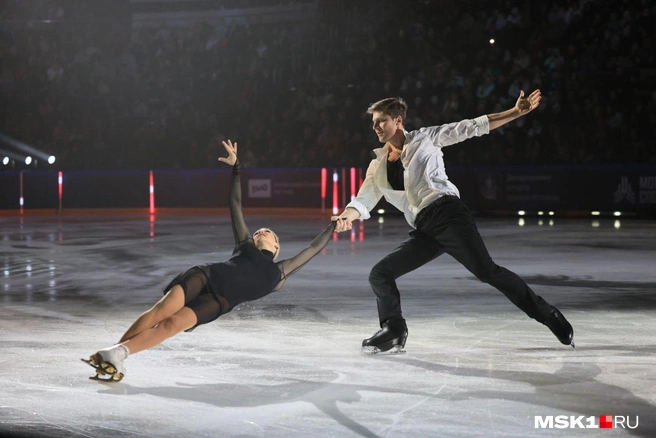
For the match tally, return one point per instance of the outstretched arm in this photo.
(452, 133)
(523, 106)
(239, 228)
(289, 266)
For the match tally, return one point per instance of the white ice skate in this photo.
(109, 362)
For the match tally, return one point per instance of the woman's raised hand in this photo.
(231, 148)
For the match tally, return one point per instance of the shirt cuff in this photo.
(359, 206)
(483, 124)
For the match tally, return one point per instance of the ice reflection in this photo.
(152, 225)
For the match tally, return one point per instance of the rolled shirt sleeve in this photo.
(452, 133)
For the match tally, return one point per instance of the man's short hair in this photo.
(392, 106)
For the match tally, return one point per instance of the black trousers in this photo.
(447, 226)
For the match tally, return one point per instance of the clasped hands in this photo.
(342, 223)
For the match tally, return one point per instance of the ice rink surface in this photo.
(289, 365)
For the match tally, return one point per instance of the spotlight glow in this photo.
(617, 213)
(596, 213)
(5, 160)
(551, 213)
(491, 40)
(617, 225)
(28, 160)
(540, 213)
(51, 159)
(381, 211)
(521, 212)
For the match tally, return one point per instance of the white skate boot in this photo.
(109, 362)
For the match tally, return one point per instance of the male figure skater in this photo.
(409, 172)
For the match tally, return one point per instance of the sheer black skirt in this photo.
(199, 296)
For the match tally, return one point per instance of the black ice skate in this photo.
(560, 327)
(390, 338)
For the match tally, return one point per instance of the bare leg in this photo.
(170, 303)
(182, 320)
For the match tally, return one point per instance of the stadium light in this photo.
(27, 149)
(8, 155)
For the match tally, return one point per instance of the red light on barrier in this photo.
(60, 188)
(151, 189)
(352, 183)
(20, 202)
(335, 192)
(324, 182)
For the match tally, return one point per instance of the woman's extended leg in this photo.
(172, 302)
(182, 320)
(109, 361)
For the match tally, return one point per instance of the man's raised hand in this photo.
(527, 104)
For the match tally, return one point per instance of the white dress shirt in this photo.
(424, 176)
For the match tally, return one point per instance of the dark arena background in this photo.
(113, 115)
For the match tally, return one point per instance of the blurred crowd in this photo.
(78, 80)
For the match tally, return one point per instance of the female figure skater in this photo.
(203, 293)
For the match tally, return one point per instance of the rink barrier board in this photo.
(484, 189)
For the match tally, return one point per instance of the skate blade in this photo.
(370, 351)
(114, 378)
(103, 369)
(95, 361)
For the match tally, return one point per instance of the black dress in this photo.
(214, 289)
